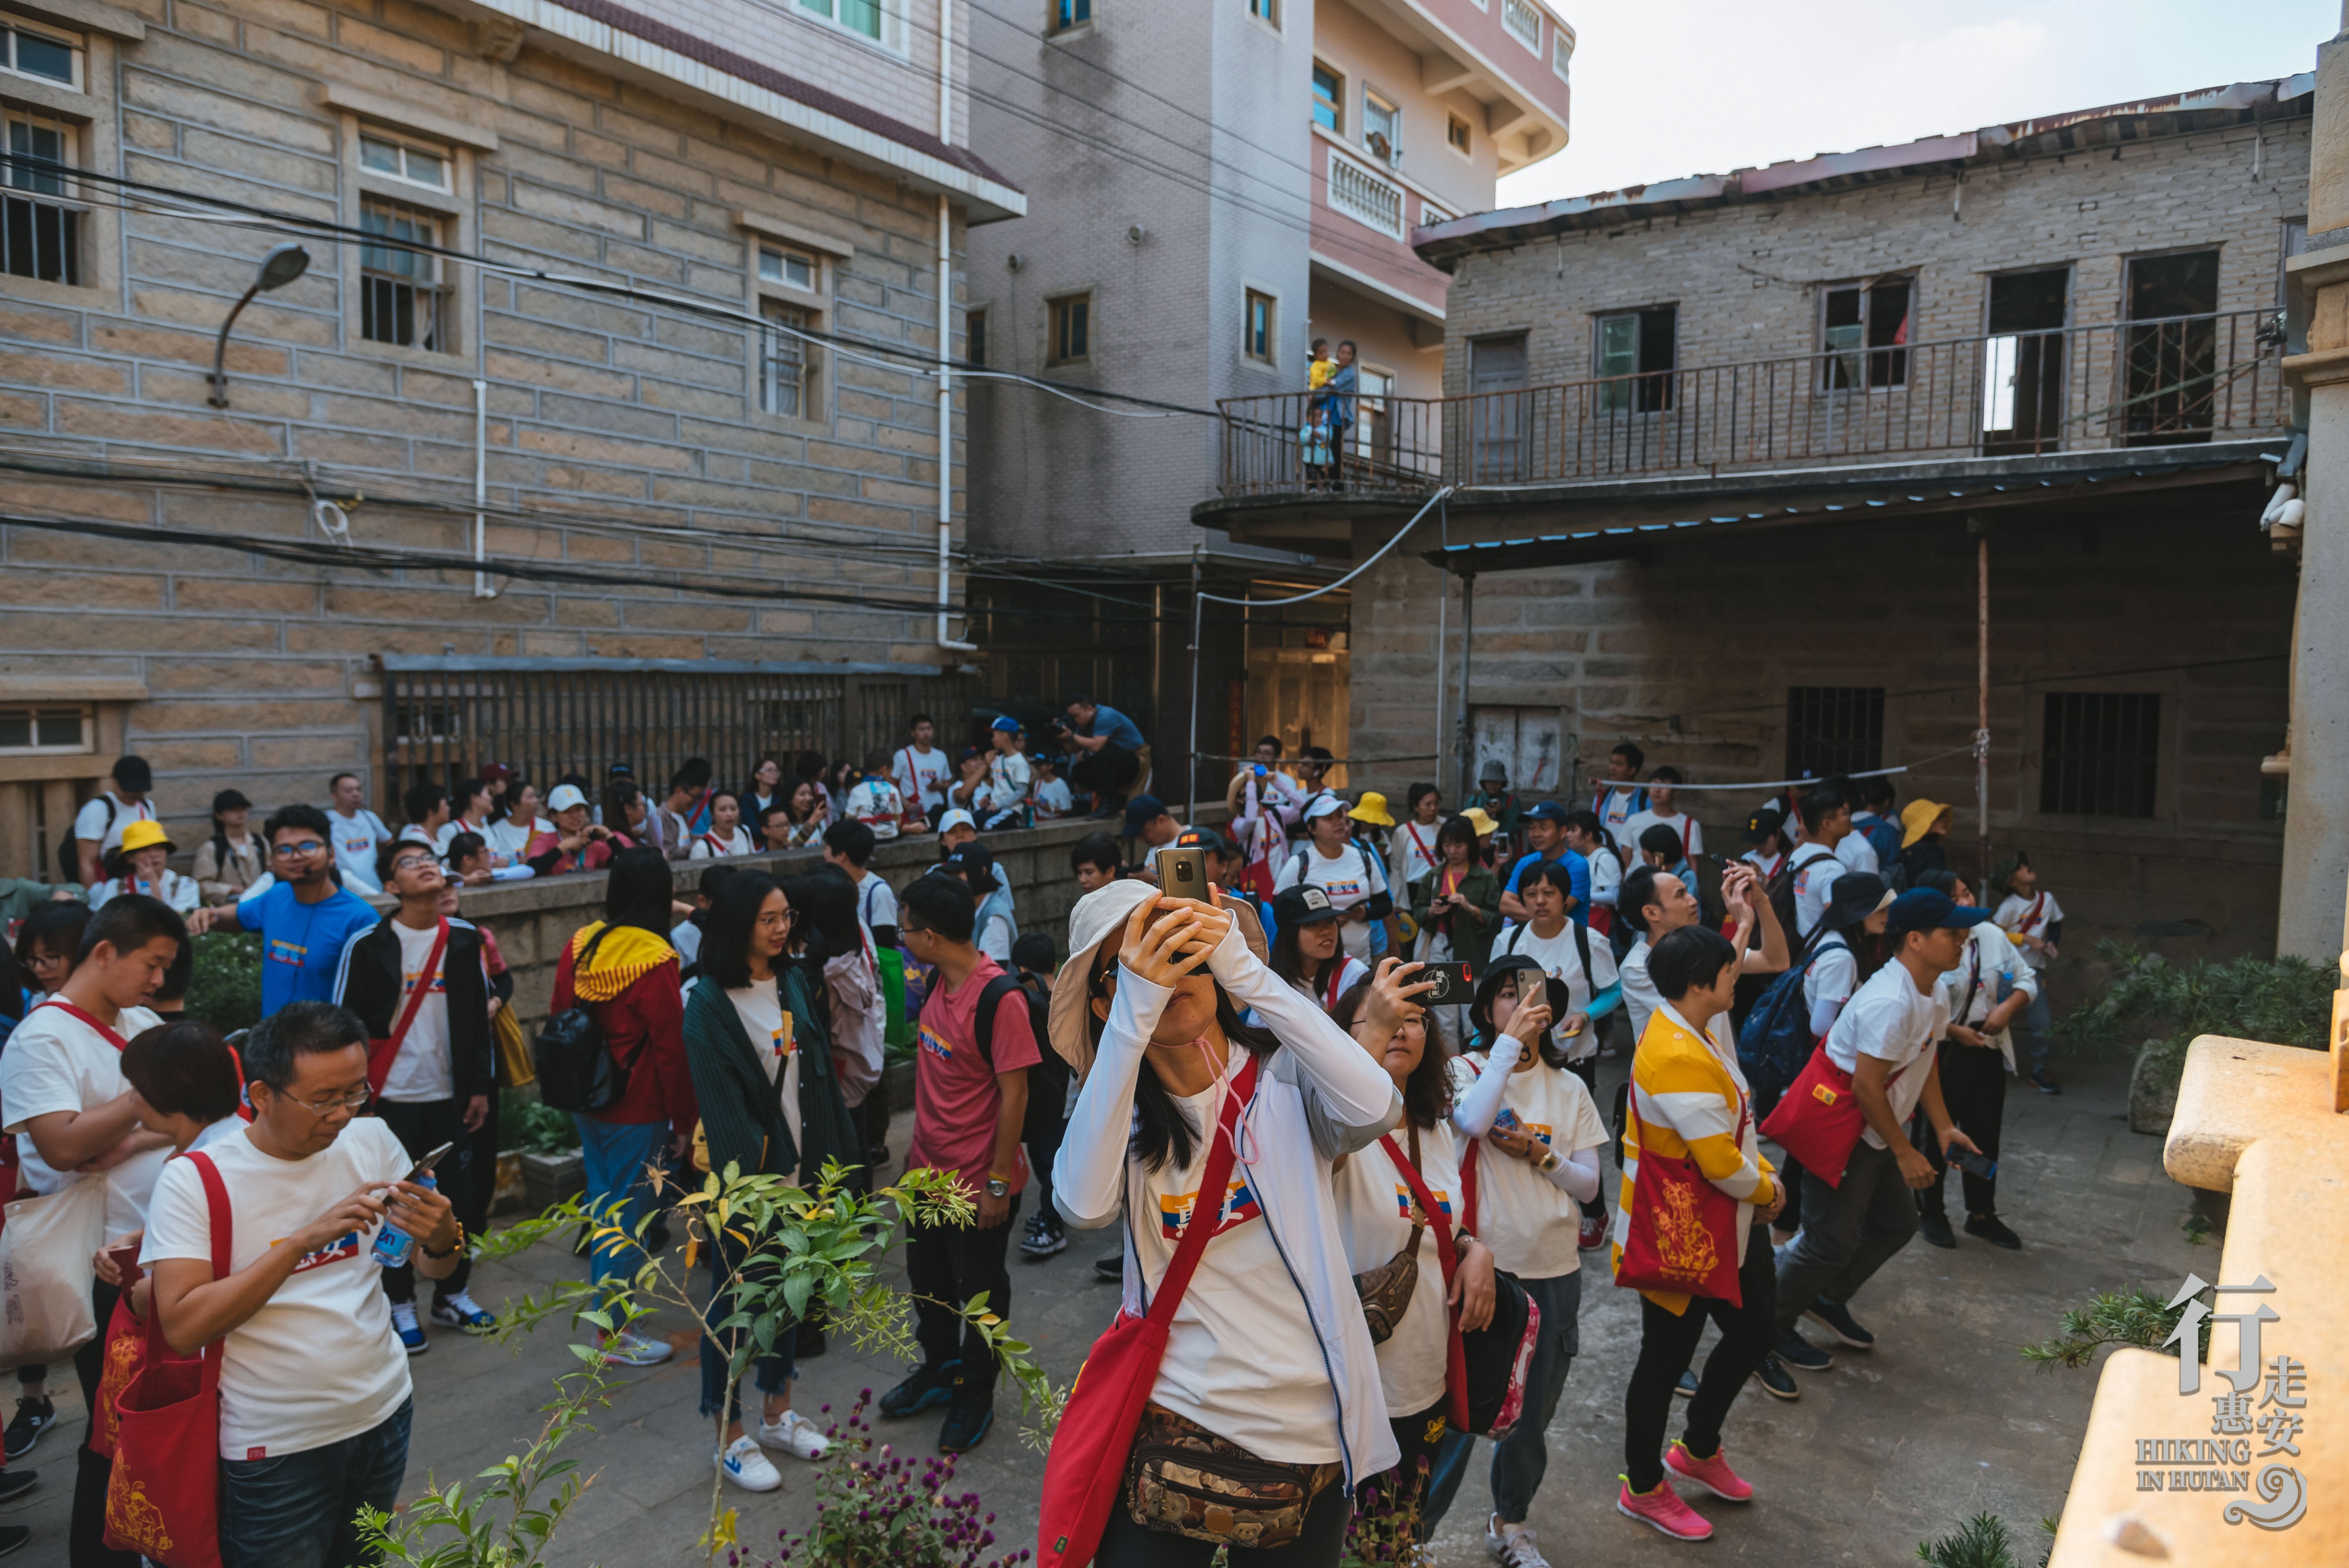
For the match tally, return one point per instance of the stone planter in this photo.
(2153, 1090)
(549, 1178)
(897, 1078)
(509, 1195)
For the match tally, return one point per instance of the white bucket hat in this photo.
(1098, 916)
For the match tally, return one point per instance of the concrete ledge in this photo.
(2236, 1091)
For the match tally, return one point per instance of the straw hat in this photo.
(1917, 819)
(1100, 915)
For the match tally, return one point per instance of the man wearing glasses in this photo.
(305, 919)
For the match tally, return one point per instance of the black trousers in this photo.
(1668, 1342)
(947, 1263)
(85, 1536)
(1973, 1088)
(1419, 1437)
(421, 1127)
(1041, 1152)
(1106, 772)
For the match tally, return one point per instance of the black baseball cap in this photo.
(1302, 905)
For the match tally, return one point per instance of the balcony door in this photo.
(2022, 363)
(2170, 353)
(1498, 417)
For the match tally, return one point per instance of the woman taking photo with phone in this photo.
(1308, 953)
(1268, 1377)
(1457, 907)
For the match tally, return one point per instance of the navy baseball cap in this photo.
(1922, 909)
(1544, 811)
(1140, 812)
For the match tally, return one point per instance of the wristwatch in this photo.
(998, 1187)
(1548, 1161)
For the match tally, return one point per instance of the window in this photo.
(1637, 344)
(796, 268)
(1067, 14)
(1833, 730)
(2171, 353)
(1071, 329)
(1365, 197)
(1457, 133)
(1256, 329)
(974, 327)
(28, 730)
(400, 297)
(2099, 753)
(1329, 99)
(1524, 23)
(1373, 432)
(397, 160)
(1265, 11)
(882, 20)
(40, 229)
(1862, 317)
(1382, 128)
(29, 49)
(1561, 53)
(2022, 363)
(784, 363)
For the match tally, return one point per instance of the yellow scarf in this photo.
(622, 959)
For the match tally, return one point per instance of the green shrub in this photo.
(2288, 1001)
(532, 1128)
(224, 986)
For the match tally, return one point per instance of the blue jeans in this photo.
(616, 1155)
(773, 1374)
(2037, 1027)
(1520, 1459)
(297, 1510)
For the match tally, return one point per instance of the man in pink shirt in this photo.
(970, 1098)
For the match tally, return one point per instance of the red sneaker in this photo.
(1593, 1232)
(1713, 1474)
(1663, 1509)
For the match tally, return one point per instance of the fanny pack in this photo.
(1183, 1479)
(1386, 1291)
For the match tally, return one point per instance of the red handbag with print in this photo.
(1817, 1120)
(1680, 1231)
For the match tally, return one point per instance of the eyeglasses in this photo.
(411, 862)
(354, 1102)
(292, 851)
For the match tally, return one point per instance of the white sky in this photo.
(1667, 88)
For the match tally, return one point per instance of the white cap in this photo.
(564, 797)
(957, 817)
(1323, 805)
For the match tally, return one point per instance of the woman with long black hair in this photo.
(1269, 1371)
(1307, 951)
(771, 1106)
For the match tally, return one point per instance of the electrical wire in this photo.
(1376, 558)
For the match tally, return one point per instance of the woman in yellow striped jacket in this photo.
(1691, 1101)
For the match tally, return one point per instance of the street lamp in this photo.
(281, 266)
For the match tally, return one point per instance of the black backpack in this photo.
(576, 1071)
(69, 849)
(1777, 1041)
(1048, 1080)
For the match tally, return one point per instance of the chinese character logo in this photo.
(2266, 1404)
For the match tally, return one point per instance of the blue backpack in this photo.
(1777, 1040)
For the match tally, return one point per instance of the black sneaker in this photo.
(2045, 1084)
(1686, 1387)
(1776, 1380)
(968, 1420)
(14, 1484)
(1992, 1229)
(34, 1417)
(13, 1536)
(1934, 1226)
(1840, 1323)
(1045, 1237)
(1801, 1355)
(1111, 1268)
(928, 1386)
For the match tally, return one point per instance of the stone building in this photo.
(1745, 460)
(612, 377)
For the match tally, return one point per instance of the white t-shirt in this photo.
(703, 849)
(1242, 1359)
(1008, 778)
(1815, 870)
(55, 1062)
(1606, 878)
(319, 1363)
(1374, 1213)
(1415, 853)
(2019, 917)
(421, 1070)
(1640, 998)
(509, 837)
(1858, 854)
(1561, 959)
(1764, 866)
(357, 840)
(1680, 822)
(1349, 970)
(1532, 1224)
(922, 775)
(876, 902)
(876, 802)
(1833, 976)
(1615, 810)
(1889, 1018)
(774, 1038)
(1351, 879)
(1052, 799)
(181, 893)
(90, 821)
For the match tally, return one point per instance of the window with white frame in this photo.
(880, 20)
(794, 268)
(1523, 20)
(44, 54)
(1265, 11)
(1382, 128)
(402, 299)
(36, 731)
(1562, 53)
(412, 165)
(1067, 14)
(1329, 99)
(40, 221)
(786, 366)
(1258, 328)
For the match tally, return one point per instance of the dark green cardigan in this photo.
(1472, 940)
(742, 1112)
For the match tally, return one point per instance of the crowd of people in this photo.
(1361, 1048)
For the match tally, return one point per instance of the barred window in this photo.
(400, 296)
(1833, 730)
(40, 225)
(783, 363)
(2100, 753)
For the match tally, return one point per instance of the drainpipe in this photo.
(945, 430)
(481, 589)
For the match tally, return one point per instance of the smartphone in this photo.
(1183, 873)
(1974, 1164)
(424, 1167)
(125, 1264)
(1451, 982)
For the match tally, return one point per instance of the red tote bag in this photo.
(1084, 1475)
(1681, 1234)
(1817, 1120)
(163, 1498)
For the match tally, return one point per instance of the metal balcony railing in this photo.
(2183, 380)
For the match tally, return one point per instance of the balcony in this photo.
(2179, 381)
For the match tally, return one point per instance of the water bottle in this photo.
(392, 1244)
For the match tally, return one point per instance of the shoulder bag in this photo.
(571, 1059)
(1386, 1290)
(1679, 1234)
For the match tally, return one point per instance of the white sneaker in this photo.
(626, 1349)
(794, 1435)
(1512, 1548)
(741, 1462)
(404, 1325)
